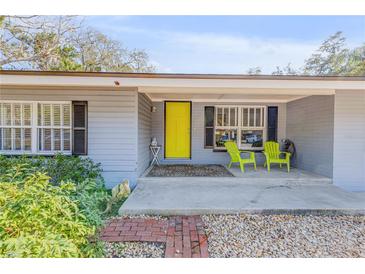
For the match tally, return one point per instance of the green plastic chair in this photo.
(272, 154)
(235, 155)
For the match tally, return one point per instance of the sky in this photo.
(227, 44)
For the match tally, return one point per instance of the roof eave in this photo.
(180, 75)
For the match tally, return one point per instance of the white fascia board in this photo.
(57, 81)
(254, 84)
(273, 100)
(248, 91)
(37, 80)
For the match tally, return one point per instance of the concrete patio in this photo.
(251, 192)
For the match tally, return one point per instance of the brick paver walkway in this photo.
(184, 235)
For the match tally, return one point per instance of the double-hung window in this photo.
(35, 127)
(252, 127)
(243, 124)
(54, 127)
(16, 126)
(226, 125)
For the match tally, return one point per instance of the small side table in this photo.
(155, 151)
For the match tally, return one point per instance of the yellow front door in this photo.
(177, 129)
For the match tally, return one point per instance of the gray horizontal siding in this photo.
(112, 122)
(201, 155)
(310, 127)
(349, 140)
(144, 132)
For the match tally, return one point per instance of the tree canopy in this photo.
(331, 58)
(64, 43)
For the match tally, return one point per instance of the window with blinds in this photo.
(54, 127)
(35, 127)
(15, 126)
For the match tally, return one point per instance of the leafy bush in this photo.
(91, 196)
(39, 219)
(63, 168)
(60, 168)
(50, 206)
(90, 193)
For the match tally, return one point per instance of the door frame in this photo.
(191, 109)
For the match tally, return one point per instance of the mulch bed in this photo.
(189, 171)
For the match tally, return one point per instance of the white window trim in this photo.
(34, 126)
(239, 126)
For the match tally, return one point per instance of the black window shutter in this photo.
(79, 128)
(209, 127)
(272, 121)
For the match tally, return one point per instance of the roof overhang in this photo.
(224, 87)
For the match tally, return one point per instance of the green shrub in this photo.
(60, 168)
(91, 196)
(76, 169)
(90, 193)
(38, 219)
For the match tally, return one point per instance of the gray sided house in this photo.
(112, 117)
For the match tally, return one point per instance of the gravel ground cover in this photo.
(285, 236)
(134, 250)
(189, 171)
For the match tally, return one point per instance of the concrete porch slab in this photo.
(277, 173)
(195, 196)
(261, 175)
